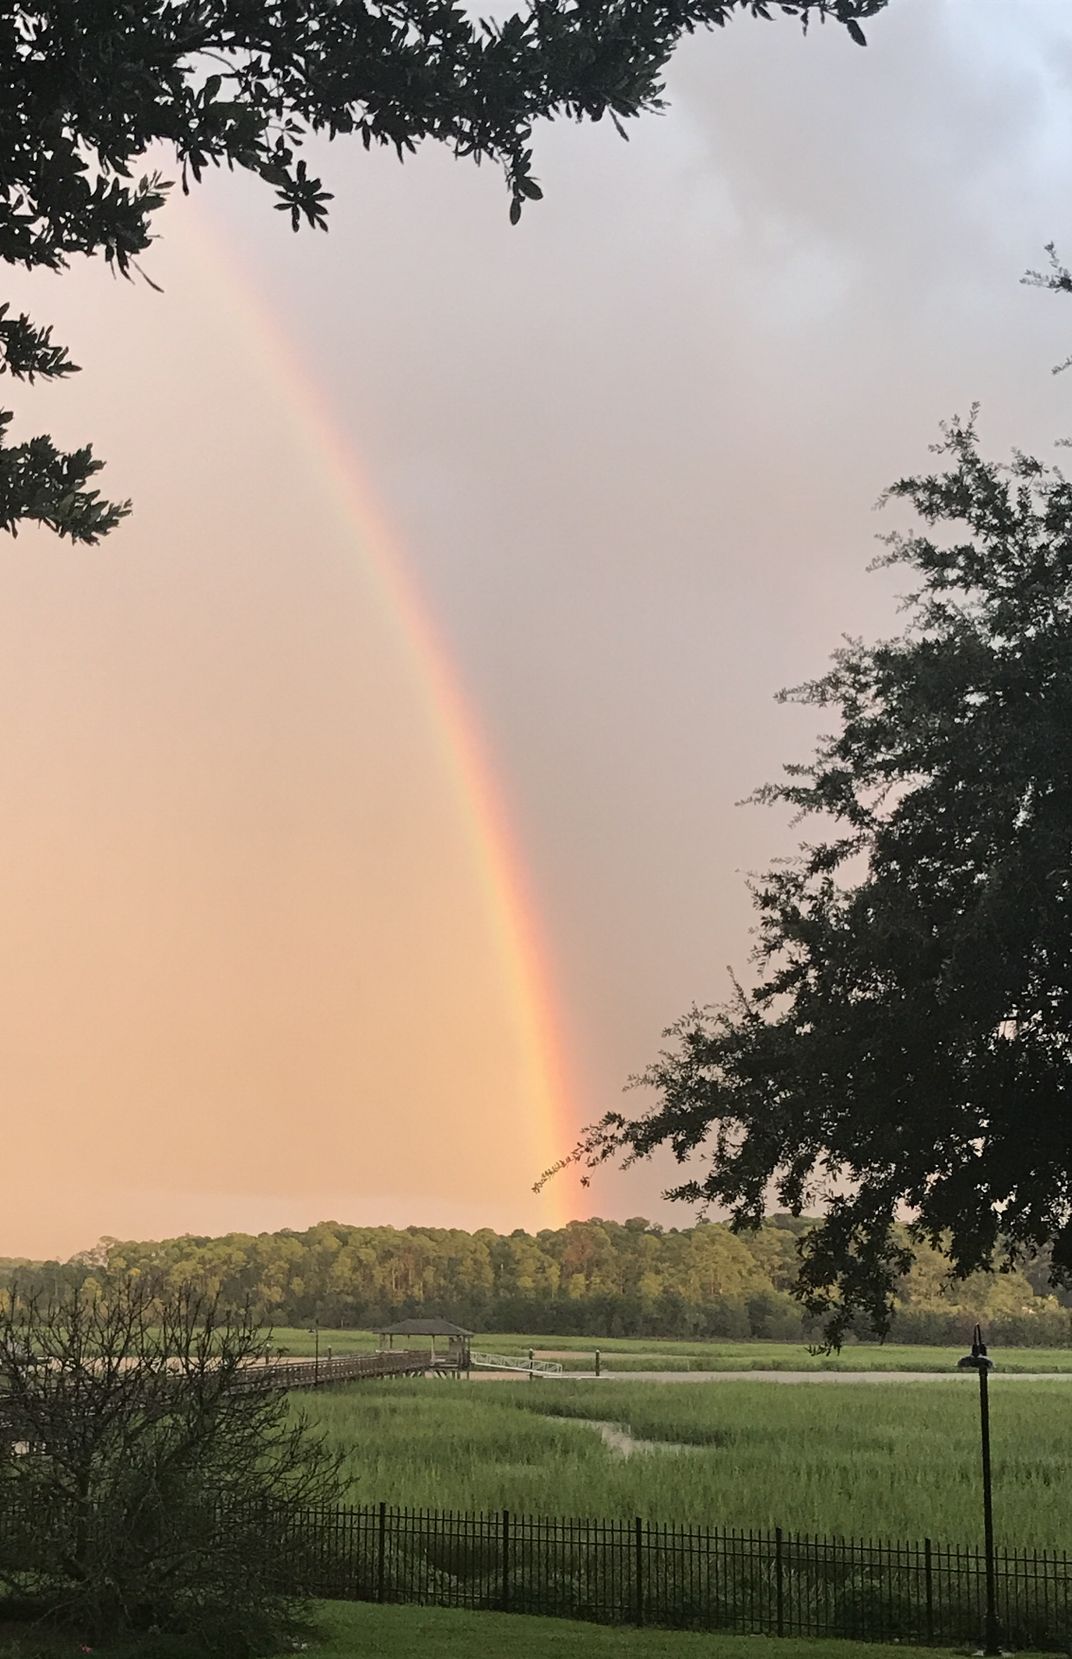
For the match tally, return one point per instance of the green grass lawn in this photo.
(295, 1339)
(631, 1354)
(891, 1461)
(363, 1631)
(654, 1354)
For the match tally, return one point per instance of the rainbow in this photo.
(507, 898)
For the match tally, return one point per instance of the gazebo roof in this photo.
(424, 1327)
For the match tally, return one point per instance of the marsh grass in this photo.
(896, 1461)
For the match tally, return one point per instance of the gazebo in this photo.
(458, 1340)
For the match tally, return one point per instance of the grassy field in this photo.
(629, 1354)
(899, 1462)
(363, 1631)
(367, 1632)
(294, 1339)
(632, 1354)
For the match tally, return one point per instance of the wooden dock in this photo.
(303, 1373)
(348, 1368)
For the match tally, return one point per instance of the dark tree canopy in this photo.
(906, 1049)
(88, 87)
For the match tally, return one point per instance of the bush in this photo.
(165, 1482)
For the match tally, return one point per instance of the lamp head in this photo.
(977, 1360)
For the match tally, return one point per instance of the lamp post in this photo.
(979, 1362)
(315, 1334)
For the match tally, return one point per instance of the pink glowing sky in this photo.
(629, 453)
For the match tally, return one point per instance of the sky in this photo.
(372, 793)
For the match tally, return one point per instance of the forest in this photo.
(597, 1278)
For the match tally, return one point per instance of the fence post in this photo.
(381, 1551)
(779, 1583)
(506, 1560)
(928, 1578)
(638, 1558)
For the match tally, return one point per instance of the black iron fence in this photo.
(772, 1583)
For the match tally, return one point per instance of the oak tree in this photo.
(904, 1054)
(88, 88)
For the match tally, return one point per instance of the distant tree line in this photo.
(590, 1278)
